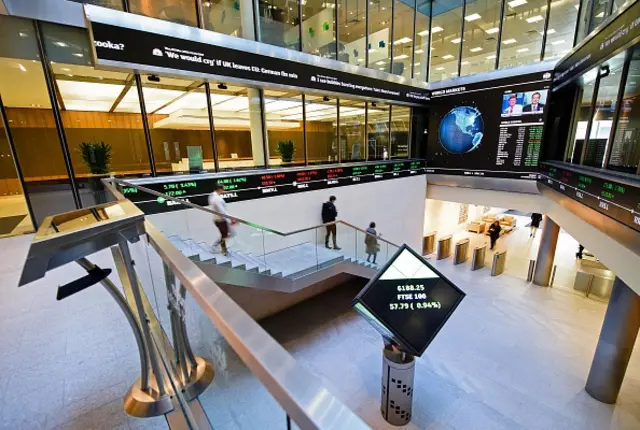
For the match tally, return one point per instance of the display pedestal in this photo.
(398, 370)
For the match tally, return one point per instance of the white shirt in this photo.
(217, 204)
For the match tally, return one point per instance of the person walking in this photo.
(371, 243)
(329, 215)
(494, 232)
(535, 223)
(219, 206)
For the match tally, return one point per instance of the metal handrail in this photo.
(240, 220)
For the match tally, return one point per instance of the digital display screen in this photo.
(408, 301)
(614, 199)
(489, 128)
(254, 185)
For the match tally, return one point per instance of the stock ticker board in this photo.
(261, 184)
(408, 301)
(617, 200)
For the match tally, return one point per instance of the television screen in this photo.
(488, 128)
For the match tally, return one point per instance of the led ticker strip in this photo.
(618, 201)
(260, 184)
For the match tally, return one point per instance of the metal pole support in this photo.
(398, 371)
(532, 266)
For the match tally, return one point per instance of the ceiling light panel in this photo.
(472, 17)
(234, 104)
(492, 30)
(447, 57)
(516, 3)
(192, 101)
(476, 49)
(509, 41)
(402, 41)
(89, 96)
(534, 19)
(274, 105)
(456, 40)
(437, 29)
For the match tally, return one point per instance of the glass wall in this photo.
(421, 38)
(380, 35)
(322, 133)
(279, 23)
(179, 11)
(319, 28)
(573, 153)
(400, 123)
(562, 25)
(226, 16)
(481, 32)
(625, 150)
(352, 28)
(285, 131)
(24, 93)
(378, 131)
(445, 39)
(352, 130)
(403, 38)
(522, 32)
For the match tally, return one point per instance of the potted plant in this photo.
(96, 156)
(286, 148)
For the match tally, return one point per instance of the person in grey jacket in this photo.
(371, 243)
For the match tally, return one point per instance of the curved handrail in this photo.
(240, 220)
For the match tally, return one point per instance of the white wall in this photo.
(442, 216)
(619, 259)
(396, 205)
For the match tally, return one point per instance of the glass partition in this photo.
(562, 25)
(279, 23)
(352, 130)
(403, 38)
(581, 116)
(421, 38)
(445, 39)
(30, 118)
(380, 35)
(352, 27)
(400, 124)
(318, 28)
(226, 16)
(179, 11)
(481, 32)
(522, 32)
(599, 12)
(625, 151)
(322, 134)
(284, 131)
(378, 131)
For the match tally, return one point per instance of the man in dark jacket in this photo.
(329, 215)
(535, 223)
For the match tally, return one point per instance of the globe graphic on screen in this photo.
(461, 130)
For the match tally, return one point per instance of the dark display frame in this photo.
(398, 338)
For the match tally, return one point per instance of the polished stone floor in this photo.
(513, 356)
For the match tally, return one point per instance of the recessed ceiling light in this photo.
(454, 73)
(416, 64)
(464, 63)
(380, 68)
(600, 15)
(558, 42)
(534, 18)
(509, 41)
(522, 50)
(379, 63)
(384, 8)
(360, 60)
(23, 34)
(476, 49)
(401, 57)
(551, 31)
(577, 6)
(491, 57)
(65, 69)
(21, 67)
(416, 74)
(492, 30)
(439, 68)
(61, 44)
(423, 33)
(447, 57)
(456, 40)
(515, 3)
(437, 29)
(70, 75)
(403, 40)
(419, 51)
(472, 17)
(78, 54)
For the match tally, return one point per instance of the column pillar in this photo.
(546, 252)
(615, 345)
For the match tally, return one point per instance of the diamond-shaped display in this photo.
(408, 301)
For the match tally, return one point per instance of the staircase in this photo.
(287, 270)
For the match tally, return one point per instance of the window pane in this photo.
(284, 130)
(402, 38)
(562, 24)
(180, 11)
(322, 119)
(583, 19)
(577, 137)
(380, 35)
(352, 29)
(625, 152)
(24, 93)
(225, 16)
(421, 40)
(102, 140)
(378, 131)
(318, 28)
(603, 113)
(522, 32)
(481, 30)
(178, 123)
(400, 120)
(599, 13)
(238, 123)
(279, 23)
(445, 39)
(352, 122)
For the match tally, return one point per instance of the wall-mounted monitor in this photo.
(491, 128)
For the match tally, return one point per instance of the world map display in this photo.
(461, 130)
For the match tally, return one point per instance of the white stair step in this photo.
(241, 258)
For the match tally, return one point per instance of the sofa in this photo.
(476, 226)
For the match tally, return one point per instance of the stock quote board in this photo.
(617, 200)
(491, 128)
(408, 301)
(240, 186)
